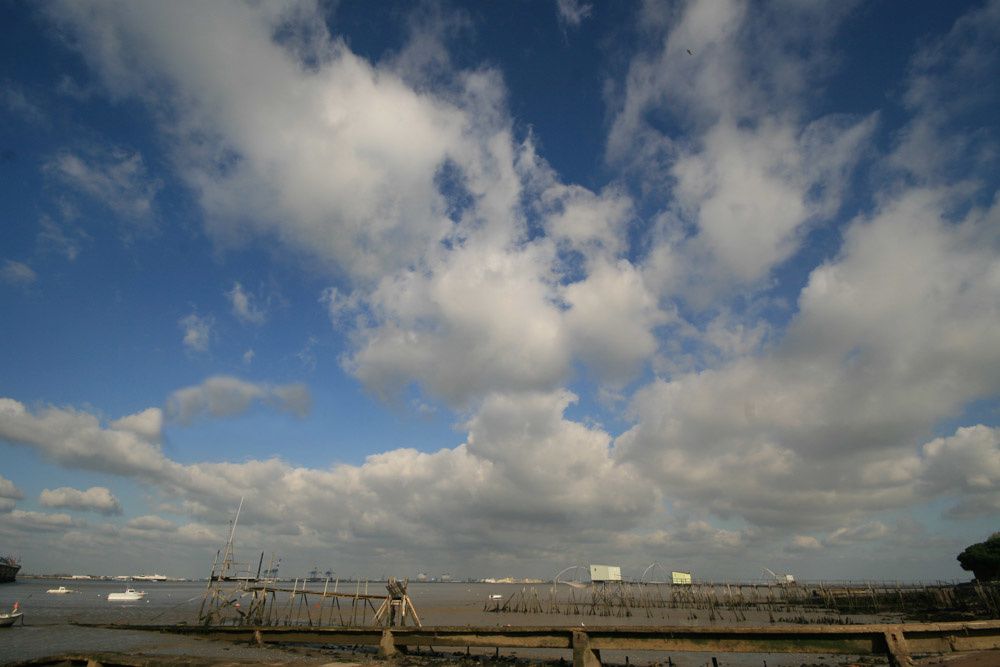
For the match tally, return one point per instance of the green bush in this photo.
(983, 559)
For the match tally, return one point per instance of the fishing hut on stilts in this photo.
(397, 606)
(237, 596)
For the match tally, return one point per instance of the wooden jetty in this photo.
(898, 642)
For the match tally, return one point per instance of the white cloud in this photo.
(223, 396)
(745, 171)
(485, 319)
(96, 499)
(893, 336)
(245, 307)
(147, 424)
(407, 182)
(750, 191)
(197, 332)
(594, 225)
(77, 439)
(8, 490)
(611, 320)
(248, 356)
(525, 472)
(527, 483)
(352, 177)
(17, 273)
(966, 464)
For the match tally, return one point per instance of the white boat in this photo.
(62, 590)
(130, 595)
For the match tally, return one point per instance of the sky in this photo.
(498, 288)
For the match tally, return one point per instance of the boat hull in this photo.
(8, 570)
(127, 596)
(7, 620)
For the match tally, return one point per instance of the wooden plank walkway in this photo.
(898, 642)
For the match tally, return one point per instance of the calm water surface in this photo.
(48, 628)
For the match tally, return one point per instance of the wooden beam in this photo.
(898, 642)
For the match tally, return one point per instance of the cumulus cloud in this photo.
(223, 396)
(78, 439)
(524, 472)
(96, 499)
(497, 310)
(967, 463)
(418, 207)
(197, 332)
(147, 424)
(17, 273)
(612, 319)
(891, 337)
(525, 482)
(9, 495)
(750, 192)
(751, 170)
(360, 148)
(9, 490)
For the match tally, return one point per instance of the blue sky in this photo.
(498, 288)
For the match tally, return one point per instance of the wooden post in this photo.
(583, 655)
(899, 652)
(387, 646)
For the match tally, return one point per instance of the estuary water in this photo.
(48, 622)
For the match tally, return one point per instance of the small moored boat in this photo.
(130, 595)
(11, 617)
(62, 590)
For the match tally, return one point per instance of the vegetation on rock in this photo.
(983, 559)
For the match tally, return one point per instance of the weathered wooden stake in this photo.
(583, 654)
(386, 646)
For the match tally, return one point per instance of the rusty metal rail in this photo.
(898, 642)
